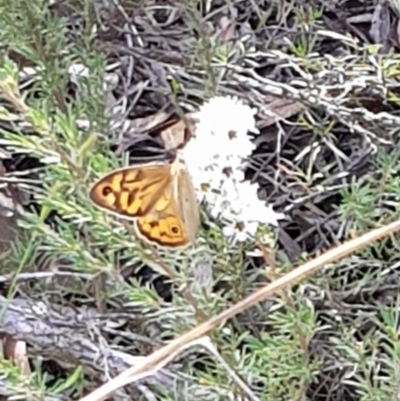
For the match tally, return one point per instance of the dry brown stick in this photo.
(290, 278)
(73, 337)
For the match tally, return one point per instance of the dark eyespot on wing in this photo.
(106, 190)
(175, 230)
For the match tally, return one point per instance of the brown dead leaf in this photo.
(176, 132)
(149, 123)
(173, 130)
(276, 109)
(140, 127)
(15, 351)
(279, 108)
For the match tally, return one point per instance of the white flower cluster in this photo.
(216, 159)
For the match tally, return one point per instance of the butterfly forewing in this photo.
(132, 191)
(159, 197)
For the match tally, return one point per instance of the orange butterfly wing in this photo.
(174, 221)
(152, 196)
(129, 192)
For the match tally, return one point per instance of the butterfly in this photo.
(159, 197)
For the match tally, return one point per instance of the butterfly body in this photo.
(159, 197)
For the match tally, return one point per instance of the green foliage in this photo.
(274, 346)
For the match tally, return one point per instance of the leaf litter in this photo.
(322, 111)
